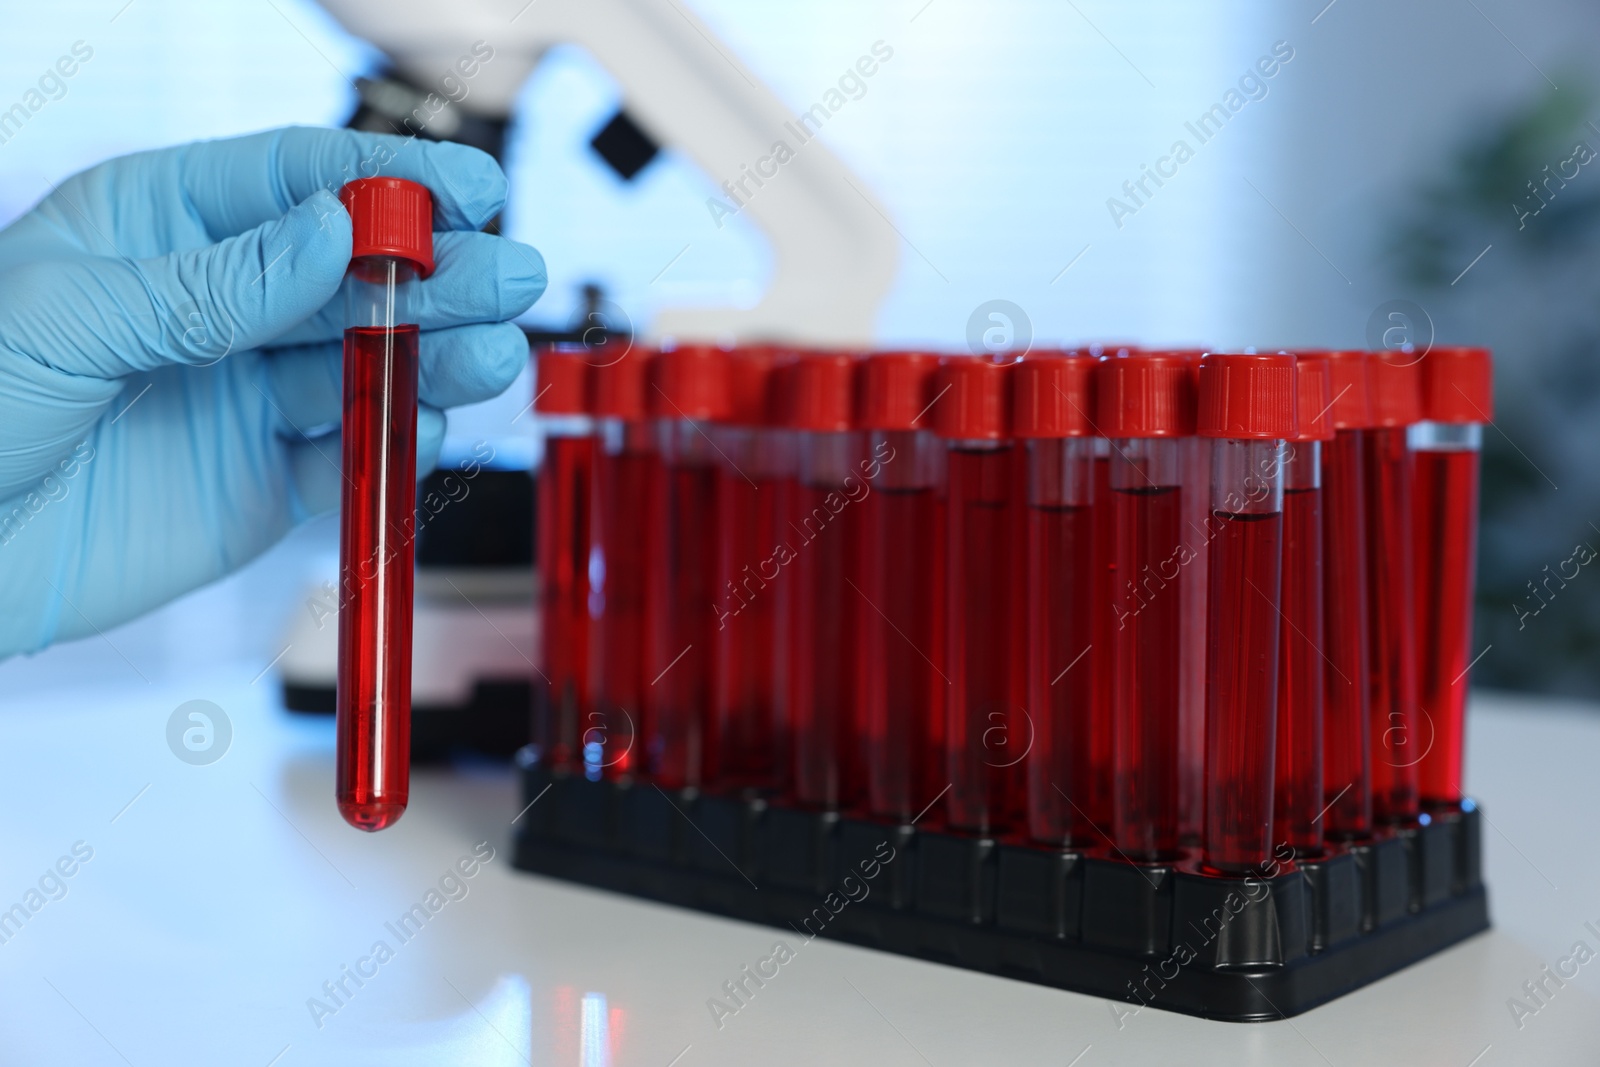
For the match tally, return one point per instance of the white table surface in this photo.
(220, 898)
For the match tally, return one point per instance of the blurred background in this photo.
(1421, 168)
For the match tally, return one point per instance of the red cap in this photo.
(563, 385)
(750, 399)
(895, 390)
(1313, 396)
(1247, 395)
(691, 382)
(1457, 385)
(822, 391)
(1145, 394)
(973, 398)
(1394, 382)
(1053, 395)
(390, 217)
(1351, 397)
(622, 383)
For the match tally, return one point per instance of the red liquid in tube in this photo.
(1102, 625)
(392, 245)
(902, 583)
(1347, 729)
(563, 485)
(1247, 404)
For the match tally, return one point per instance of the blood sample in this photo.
(1346, 727)
(902, 585)
(1247, 405)
(1457, 399)
(739, 749)
(781, 437)
(561, 692)
(690, 392)
(1068, 790)
(392, 246)
(626, 466)
(1146, 405)
(823, 520)
(1301, 668)
(986, 735)
(1399, 737)
(1192, 652)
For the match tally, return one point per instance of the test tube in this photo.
(902, 586)
(1302, 671)
(986, 735)
(1068, 787)
(1397, 746)
(823, 520)
(1193, 646)
(739, 745)
(1247, 406)
(391, 247)
(1146, 404)
(1457, 399)
(626, 468)
(562, 394)
(690, 392)
(1346, 725)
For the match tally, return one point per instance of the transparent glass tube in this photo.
(1148, 556)
(377, 528)
(1301, 667)
(563, 485)
(1242, 676)
(1347, 730)
(1397, 745)
(1446, 456)
(1060, 526)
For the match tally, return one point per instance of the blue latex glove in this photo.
(170, 328)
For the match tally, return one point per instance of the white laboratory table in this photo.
(220, 898)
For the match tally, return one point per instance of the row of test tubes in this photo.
(1171, 606)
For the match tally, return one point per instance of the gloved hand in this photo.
(170, 360)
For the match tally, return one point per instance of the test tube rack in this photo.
(1161, 936)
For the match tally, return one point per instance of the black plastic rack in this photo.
(1161, 936)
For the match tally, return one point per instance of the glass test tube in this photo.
(1146, 404)
(1457, 401)
(823, 521)
(1301, 669)
(986, 735)
(1053, 408)
(1346, 725)
(1247, 404)
(690, 392)
(1397, 744)
(392, 246)
(902, 585)
(626, 468)
(562, 515)
(739, 733)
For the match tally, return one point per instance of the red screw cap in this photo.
(1351, 396)
(973, 398)
(390, 217)
(1247, 395)
(823, 392)
(1145, 394)
(1395, 383)
(895, 390)
(1458, 385)
(1053, 395)
(691, 382)
(750, 384)
(563, 384)
(1313, 396)
(622, 382)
